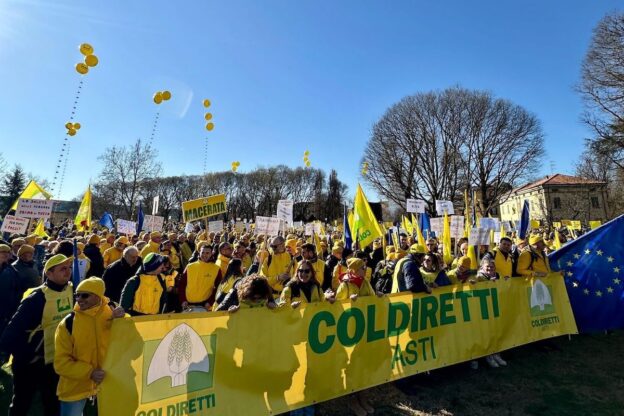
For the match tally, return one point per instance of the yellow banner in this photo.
(258, 361)
(203, 207)
(575, 225)
(595, 224)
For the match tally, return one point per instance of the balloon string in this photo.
(64, 169)
(154, 128)
(205, 154)
(62, 159)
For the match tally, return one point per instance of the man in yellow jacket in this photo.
(533, 262)
(277, 266)
(80, 345)
(153, 246)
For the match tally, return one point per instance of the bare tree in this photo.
(602, 87)
(432, 146)
(125, 170)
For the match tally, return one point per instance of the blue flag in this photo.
(75, 266)
(425, 224)
(347, 230)
(140, 218)
(107, 221)
(593, 268)
(524, 220)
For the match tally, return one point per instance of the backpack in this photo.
(382, 279)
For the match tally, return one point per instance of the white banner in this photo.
(457, 226)
(215, 226)
(14, 225)
(34, 208)
(285, 211)
(155, 205)
(479, 237)
(437, 225)
(153, 223)
(313, 227)
(126, 227)
(416, 206)
(442, 206)
(267, 226)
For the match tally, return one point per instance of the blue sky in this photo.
(283, 76)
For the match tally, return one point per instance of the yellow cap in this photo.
(93, 285)
(355, 264)
(25, 249)
(417, 249)
(122, 240)
(55, 261)
(4, 248)
(535, 238)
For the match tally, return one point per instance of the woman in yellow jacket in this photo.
(304, 287)
(80, 345)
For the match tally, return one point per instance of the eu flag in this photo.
(347, 230)
(140, 218)
(593, 268)
(107, 221)
(524, 220)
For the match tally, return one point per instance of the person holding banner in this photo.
(146, 293)
(199, 282)
(432, 272)
(251, 291)
(407, 277)
(29, 337)
(304, 287)
(233, 274)
(501, 255)
(533, 262)
(277, 266)
(81, 341)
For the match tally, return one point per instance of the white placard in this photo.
(34, 208)
(285, 211)
(437, 225)
(153, 223)
(267, 226)
(155, 205)
(188, 228)
(240, 226)
(215, 226)
(14, 225)
(473, 237)
(126, 227)
(442, 206)
(489, 224)
(82, 268)
(416, 206)
(313, 227)
(457, 226)
(497, 237)
(298, 225)
(484, 237)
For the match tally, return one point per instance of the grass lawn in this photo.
(586, 377)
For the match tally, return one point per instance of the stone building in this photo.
(558, 197)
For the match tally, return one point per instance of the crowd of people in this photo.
(57, 334)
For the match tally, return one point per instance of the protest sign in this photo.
(126, 227)
(444, 206)
(285, 211)
(203, 207)
(34, 208)
(313, 227)
(153, 223)
(260, 361)
(215, 226)
(457, 226)
(416, 206)
(240, 226)
(489, 224)
(14, 225)
(267, 225)
(437, 225)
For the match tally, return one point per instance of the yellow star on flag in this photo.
(610, 259)
(599, 252)
(610, 289)
(598, 293)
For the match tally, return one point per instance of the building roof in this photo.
(558, 180)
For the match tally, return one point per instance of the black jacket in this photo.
(116, 275)
(97, 261)
(11, 291)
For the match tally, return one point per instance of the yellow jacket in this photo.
(247, 262)
(503, 265)
(339, 270)
(104, 246)
(112, 255)
(150, 247)
(175, 258)
(200, 281)
(346, 289)
(531, 261)
(279, 264)
(290, 294)
(223, 262)
(78, 353)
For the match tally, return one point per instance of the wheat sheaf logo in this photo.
(180, 352)
(540, 299)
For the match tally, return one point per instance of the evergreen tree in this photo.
(12, 186)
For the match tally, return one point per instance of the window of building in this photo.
(594, 202)
(557, 202)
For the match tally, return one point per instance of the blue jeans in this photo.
(73, 408)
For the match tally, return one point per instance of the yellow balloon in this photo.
(166, 95)
(68, 126)
(208, 116)
(158, 97)
(206, 103)
(305, 159)
(306, 153)
(91, 60)
(237, 163)
(209, 126)
(82, 68)
(307, 164)
(86, 49)
(234, 168)
(71, 132)
(76, 126)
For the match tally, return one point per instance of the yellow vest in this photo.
(247, 262)
(150, 247)
(503, 265)
(147, 296)
(287, 296)
(200, 280)
(319, 270)
(104, 246)
(222, 262)
(57, 306)
(280, 264)
(228, 284)
(346, 289)
(395, 275)
(338, 271)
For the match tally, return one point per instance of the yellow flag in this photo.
(32, 191)
(40, 229)
(447, 253)
(595, 224)
(365, 225)
(83, 218)
(535, 224)
(472, 255)
(421, 239)
(557, 241)
(409, 227)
